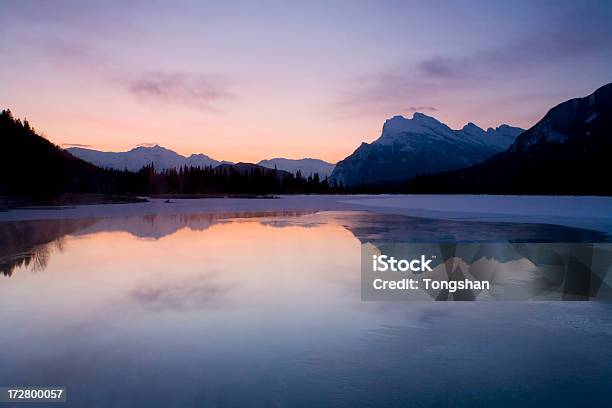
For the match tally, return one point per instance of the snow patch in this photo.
(593, 116)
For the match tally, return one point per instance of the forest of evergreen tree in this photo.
(225, 179)
(30, 165)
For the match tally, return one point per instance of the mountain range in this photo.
(164, 159)
(141, 156)
(305, 166)
(566, 152)
(34, 170)
(421, 145)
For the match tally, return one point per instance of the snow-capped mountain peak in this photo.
(420, 123)
(163, 158)
(134, 159)
(421, 145)
(472, 128)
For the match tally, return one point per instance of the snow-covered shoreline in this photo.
(585, 212)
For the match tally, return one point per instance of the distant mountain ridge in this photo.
(138, 157)
(163, 159)
(566, 152)
(34, 170)
(306, 166)
(420, 145)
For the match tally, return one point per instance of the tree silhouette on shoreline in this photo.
(31, 166)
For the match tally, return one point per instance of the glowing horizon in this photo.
(253, 81)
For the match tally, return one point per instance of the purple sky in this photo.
(254, 80)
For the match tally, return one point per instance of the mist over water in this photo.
(264, 309)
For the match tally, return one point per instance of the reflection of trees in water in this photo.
(30, 244)
(35, 259)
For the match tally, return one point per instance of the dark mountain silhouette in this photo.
(30, 165)
(567, 152)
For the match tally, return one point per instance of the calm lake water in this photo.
(264, 309)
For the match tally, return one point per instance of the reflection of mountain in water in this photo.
(465, 249)
(30, 243)
(526, 260)
(161, 225)
(368, 227)
(515, 271)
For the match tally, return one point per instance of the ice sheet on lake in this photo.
(584, 212)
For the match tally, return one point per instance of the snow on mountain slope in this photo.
(421, 145)
(138, 157)
(566, 152)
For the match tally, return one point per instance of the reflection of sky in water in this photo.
(198, 310)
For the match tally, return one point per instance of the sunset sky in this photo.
(245, 81)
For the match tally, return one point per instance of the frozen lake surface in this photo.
(247, 302)
(584, 212)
